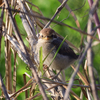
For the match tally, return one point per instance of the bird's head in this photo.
(47, 35)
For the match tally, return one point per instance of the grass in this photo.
(48, 9)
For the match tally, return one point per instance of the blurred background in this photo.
(48, 8)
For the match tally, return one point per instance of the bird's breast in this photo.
(60, 61)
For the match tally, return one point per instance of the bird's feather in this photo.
(65, 49)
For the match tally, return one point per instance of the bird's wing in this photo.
(65, 49)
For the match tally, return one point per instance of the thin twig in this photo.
(76, 20)
(66, 84)
(24, 87)
(80, 6)
(81, 76)
(8, 26)
(57, 11)
(4, 89)
(14, 73)
(95, 16)
(31, 98)
(25, 82)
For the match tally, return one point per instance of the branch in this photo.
(95, 16)
(57, 11)
(89, 52)
(59, 23)
(75, 72)
(31, 65)
(4, 89)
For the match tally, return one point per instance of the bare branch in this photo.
(57, 11)
(59, 23)
(4, 89)
(89, 52)
(31, 65)
(95, 16)
(75, 72)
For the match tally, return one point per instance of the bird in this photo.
(50, 42)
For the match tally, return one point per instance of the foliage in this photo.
(48, 8)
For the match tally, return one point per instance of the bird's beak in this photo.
(47, 38)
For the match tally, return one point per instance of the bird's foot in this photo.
(45, 67)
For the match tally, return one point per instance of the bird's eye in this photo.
(41, 35)
(51, 35)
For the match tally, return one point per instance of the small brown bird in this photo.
(49, 40)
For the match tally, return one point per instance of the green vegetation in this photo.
(48, 8)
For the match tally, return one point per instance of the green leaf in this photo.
(48, 54)
(40, 58)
